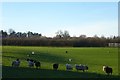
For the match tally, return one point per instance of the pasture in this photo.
(94, 58)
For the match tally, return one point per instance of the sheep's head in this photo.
(104, 67)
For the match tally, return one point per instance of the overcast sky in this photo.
(89, 18)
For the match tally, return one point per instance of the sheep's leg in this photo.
(111, 73)
(83, 70)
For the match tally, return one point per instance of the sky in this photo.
(88, 18)
(59, 0)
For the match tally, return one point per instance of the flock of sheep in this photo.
(32, 63)
(69, 67)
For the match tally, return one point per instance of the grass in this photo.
(48, 73)
(95, 58)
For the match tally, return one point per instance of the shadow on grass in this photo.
(43, 57)
(21, 72)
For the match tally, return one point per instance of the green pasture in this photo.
(94, 58)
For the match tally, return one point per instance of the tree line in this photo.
(62, 39)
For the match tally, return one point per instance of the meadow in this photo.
(93, 57)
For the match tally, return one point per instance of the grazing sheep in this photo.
(55, 66)
(107, 69)
(69, 67)
(37, 64)
(70, 60)
(16, 63)
(33, 53)
(81, 67)
(30, 62)
(66, 51)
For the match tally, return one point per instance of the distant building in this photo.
(114, 44)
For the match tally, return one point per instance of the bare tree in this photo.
(59, 34)
(11, 31)
(66, 34)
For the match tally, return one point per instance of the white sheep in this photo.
(69, 67)
(81, 67)
(16, 63)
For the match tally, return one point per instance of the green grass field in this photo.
(95, 58)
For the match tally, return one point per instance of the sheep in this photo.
(33, 53)
(30, 63)
(107, 69)
(37, 64)
(81, 67)
(55, 66)
(70, 60)
(66, 51)
(16, 63)
(69, 67)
